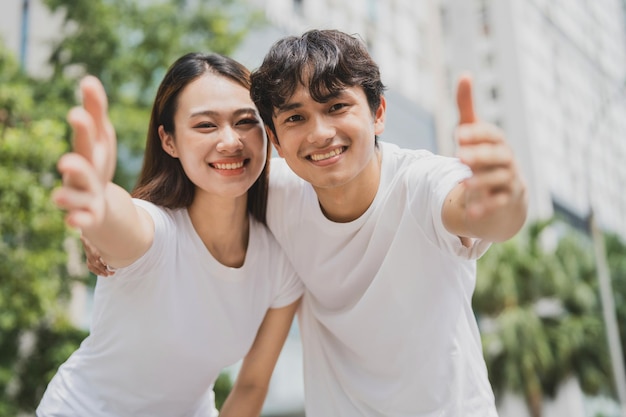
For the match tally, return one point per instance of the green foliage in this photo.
(540, 315)
(129, 44)
(53, 343)
(222, 388)
(33, 274)
(616, 254)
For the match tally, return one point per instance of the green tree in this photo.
(540, 316)
(129, 44)
(33, 273)
(616, 254)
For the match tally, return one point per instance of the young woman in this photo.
(200, 281)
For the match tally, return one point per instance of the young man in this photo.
(385, 239)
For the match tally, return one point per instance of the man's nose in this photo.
(322, 131)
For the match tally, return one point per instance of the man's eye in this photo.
(294, 118)
(337, 106)
(204, 125)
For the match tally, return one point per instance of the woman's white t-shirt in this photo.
(164, 327)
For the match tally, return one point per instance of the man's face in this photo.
(328, 144)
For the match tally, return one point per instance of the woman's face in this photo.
(219, 138)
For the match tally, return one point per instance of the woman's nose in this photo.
(229, 140)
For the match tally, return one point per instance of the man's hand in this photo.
(95, 263)
(494, 197)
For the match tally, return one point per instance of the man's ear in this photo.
(167, 142)
(379, 117)
(272, 137)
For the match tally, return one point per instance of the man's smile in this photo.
(327, 154)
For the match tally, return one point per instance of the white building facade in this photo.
(553, 74)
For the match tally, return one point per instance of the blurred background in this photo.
(551, 303)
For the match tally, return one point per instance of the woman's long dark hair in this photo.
(162, 180)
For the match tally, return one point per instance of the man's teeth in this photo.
(322, 156)
(235, 165)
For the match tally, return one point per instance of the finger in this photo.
(81, 219)
(67, 198)
(87, 246)
(477, 133)
(84, 132)
(485, 157)
(92, 255)
(96, 105)
(464, 100)
(485, 206)
(78, 173)
(95, 102)
(97, 268)
(491, 181)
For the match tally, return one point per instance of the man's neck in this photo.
(348, 202)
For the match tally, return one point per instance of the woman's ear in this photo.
(167, 142)
(272, 137)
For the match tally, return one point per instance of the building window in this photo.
(298, 7)
(483, 13)
(494, 92)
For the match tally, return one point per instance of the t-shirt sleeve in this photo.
(435, 177)
(164, 236)
(290, 287)
(285, 188)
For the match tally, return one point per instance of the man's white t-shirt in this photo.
(386, 319)
(164, 327)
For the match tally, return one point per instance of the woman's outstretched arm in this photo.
(103, 211)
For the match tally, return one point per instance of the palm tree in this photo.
(539, 316)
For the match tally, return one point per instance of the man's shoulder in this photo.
(281, 176)
(398, 158)
(395, 152)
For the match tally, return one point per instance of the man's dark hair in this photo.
(325, 61)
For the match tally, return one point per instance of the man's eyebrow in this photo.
(287, 107)
(292, 106)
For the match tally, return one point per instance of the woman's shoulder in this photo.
(161, 213)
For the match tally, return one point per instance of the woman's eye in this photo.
(248, 121)
(204, 125)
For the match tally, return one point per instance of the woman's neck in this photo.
(223, 226)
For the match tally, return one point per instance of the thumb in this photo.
(95, 101)
(464, 100)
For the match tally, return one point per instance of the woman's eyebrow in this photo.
(238, 112)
